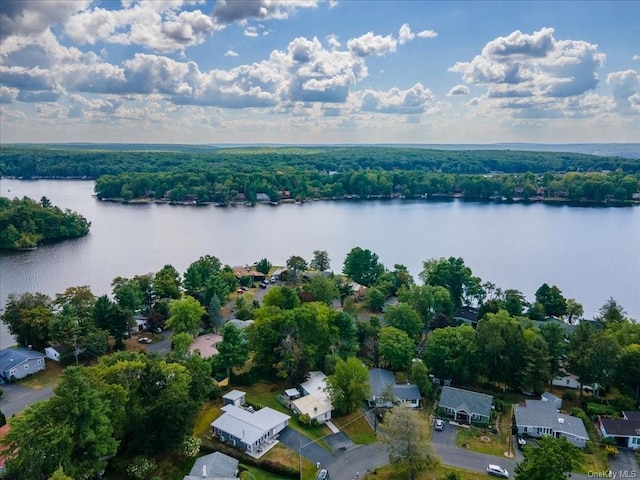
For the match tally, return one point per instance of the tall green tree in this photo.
(592, 355)
(128, 294)
(322, 289)
(396, 348)
(282, 297)
(80, 299)
(551, 298)
(554, 335)
(455, 276)
(628, 368)
(550, 459)
(263, 266)
(452, 352)
(233, 350)
(166, 283)
(536, 371)
(72, 430)
(362, 266)
(198, 276)
(374, 299)
(428, 301)
(320, 261)
(28, 317)
(404, 317)
(215, 314)
(296, 266)
(501, 346)
(420, 376)
(611, 313)
(348, 386)
(406, 441)
(574, 310)
(186, 315)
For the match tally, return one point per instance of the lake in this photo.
(590, 253)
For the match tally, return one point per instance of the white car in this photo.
(497, 471)
(144, 340)
(439, 425)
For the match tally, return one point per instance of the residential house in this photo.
(550, 397)
(248, 272)
(466, 406)
(262, 197)
(315, 401)
(383, 383)
(54, 352)
(625, 430)
(538, 417)
(16, 363)
(253, 431)
(465, 314)
(215, 466)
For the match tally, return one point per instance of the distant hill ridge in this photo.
(625, 150)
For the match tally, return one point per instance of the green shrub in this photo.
(141, 467)
(569, 396)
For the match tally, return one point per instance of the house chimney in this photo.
(204, 471)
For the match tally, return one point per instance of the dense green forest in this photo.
(240, 174)
(25, 223)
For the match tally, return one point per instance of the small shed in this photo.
(292, 393)
(53, 352)
(234, 397)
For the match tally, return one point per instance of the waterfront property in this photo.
(625, 431)
(466, 406)
(17, 363)
(539, 417)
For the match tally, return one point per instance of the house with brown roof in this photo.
(625, 430)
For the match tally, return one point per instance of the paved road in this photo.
(16, 397)
(361, 458)
(624, 465)
(162, 347)
(445, 447)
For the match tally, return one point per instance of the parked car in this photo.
(439, 425)
(144, 340)
(263, 284)
(273, 279)
(240, 291)
(521, 442)
(497, 471)
(323, 475)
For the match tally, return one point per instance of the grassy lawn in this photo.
(356, 427)
(475, 438)
(48, 376)
(594, 462)
(209, 412)
(263, 393)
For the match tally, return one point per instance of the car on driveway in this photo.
(144, 340)
(439, 424)
(521, 442)
(497, 471)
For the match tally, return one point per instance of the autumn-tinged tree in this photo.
(406, 441)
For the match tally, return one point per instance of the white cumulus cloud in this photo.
(370, 44)
(458, 90)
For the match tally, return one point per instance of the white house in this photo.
(539, 417)
(251, 431)
(625, 430)
(316, 402)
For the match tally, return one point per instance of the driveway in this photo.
(624, 465)
(16, 397)
(163, 346)
(311, 451)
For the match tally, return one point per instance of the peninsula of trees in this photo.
(25, 223)
(302, 173)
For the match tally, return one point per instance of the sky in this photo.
(319, 71)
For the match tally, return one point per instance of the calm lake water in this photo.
(591, 254)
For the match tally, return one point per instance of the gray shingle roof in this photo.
(233, 395)
(248, 427)
(470, 402)
(218, 465)
(11, 357)
(538, 413)
(619, 427)
(379, 379)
